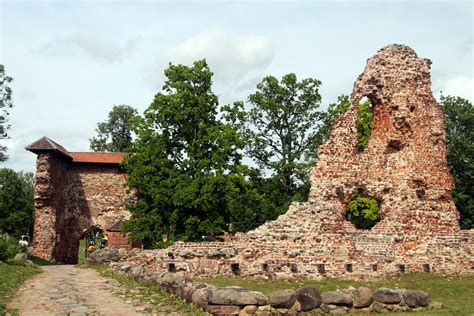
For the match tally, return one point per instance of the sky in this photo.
(72, 60)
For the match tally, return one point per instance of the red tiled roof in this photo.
(91, 157)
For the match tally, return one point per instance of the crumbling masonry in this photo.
(74, 192)
(403, 167)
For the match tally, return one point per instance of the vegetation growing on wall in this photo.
(363, 211)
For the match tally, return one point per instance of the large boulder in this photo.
(309, 298)
(336, 298)
(105, 255)
(21, 257)
(362, 297)
(387, 296)
(282, 298)
(413, 298)
(235, 295)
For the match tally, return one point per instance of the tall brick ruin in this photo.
(403, 167)
(74, 192)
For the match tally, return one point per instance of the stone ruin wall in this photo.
(403, 167)
(72, 198)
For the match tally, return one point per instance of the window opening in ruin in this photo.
(265, 267)
(364, 122)
(363, 211)
(426, 268)
(235, 268)
(171, 267)
(401, 268)
(374, 267)
(293, 267)
(321, 268)
(348, 267)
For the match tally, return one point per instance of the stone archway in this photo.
(73, 192)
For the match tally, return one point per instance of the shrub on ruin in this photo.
(363, 211)
(9, 247)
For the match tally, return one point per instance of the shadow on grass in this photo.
(40, 262)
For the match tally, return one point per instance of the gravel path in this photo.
(68, 290)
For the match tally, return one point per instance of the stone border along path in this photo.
(68, 290)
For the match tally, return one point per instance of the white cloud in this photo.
(461, 86)
(230, 57)
(84, 46)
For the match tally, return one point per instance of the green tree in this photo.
(459, 120)
(186, 163)
(6, 103)
(363, 211)
(115, 134)
(16, 202)
(364, 120)
(281, 129)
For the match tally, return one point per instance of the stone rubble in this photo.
(235, 300)
(403, 167)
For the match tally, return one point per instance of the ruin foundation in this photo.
(403, 167)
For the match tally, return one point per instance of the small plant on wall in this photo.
(363, 211)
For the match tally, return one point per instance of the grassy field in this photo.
(456, 293)
(11, 276)
(150, 293)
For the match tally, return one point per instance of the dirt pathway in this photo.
(68, 290)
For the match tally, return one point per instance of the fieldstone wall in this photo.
(403, 167)
(234, 300)
(70, 199)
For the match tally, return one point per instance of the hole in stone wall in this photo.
(170, 255)
(426, 268)
(393, 146)
(401, 268)
(235, 268)
(374, 267)
(420, 193)
(171, 267)
(348, 267)
(293, 267)
(363, 211)
(364, 122)
(321, 268)
(265, 267)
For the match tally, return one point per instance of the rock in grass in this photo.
(387, 296)
(336, 298)
(309, 298)
(413, 298)
(282, 298)
(235, 295)
(362, 297)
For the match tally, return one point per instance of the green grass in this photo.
(150, 293)
(11, 276)
(456, 293)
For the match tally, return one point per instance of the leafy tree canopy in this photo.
(186, 164)
(280, 123)
(459, 120)
(115, 134)
(16, 202)
(6, 103)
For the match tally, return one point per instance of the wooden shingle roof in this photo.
(46, 144)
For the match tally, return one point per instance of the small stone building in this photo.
(74, 192)
(115, 238)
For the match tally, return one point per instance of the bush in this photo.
(363, 211)
(9, 247)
